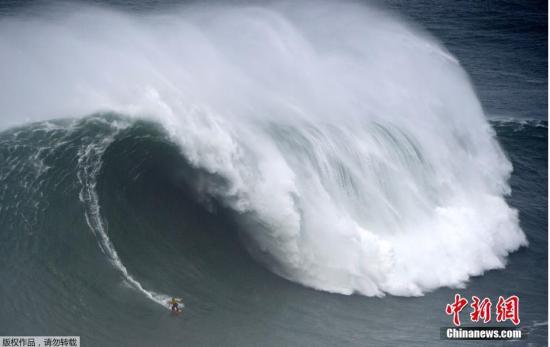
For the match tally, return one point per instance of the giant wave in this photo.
(349, 146)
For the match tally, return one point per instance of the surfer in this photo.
(175, 304)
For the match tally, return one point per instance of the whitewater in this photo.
(349, 145)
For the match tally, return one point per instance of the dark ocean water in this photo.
(65, 184)
(171, 243)
(502, 44)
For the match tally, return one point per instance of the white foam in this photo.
(90, 161)
(354, 148)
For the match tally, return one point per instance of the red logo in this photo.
(455, 308)
(508, 309)
(505, 309)
(481, 309)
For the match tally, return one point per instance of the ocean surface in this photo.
(299, 173)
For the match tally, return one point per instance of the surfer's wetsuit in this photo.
(174, 303)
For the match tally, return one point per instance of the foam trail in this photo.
(89, 166)
(353, 149)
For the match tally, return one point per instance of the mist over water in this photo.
(350, 146)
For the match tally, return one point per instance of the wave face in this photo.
(349, 147)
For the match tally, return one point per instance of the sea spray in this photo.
(352, 146)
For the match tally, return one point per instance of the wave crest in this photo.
(351, 146)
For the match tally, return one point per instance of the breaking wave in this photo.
(349, 146)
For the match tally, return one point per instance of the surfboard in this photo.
(180, 308)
